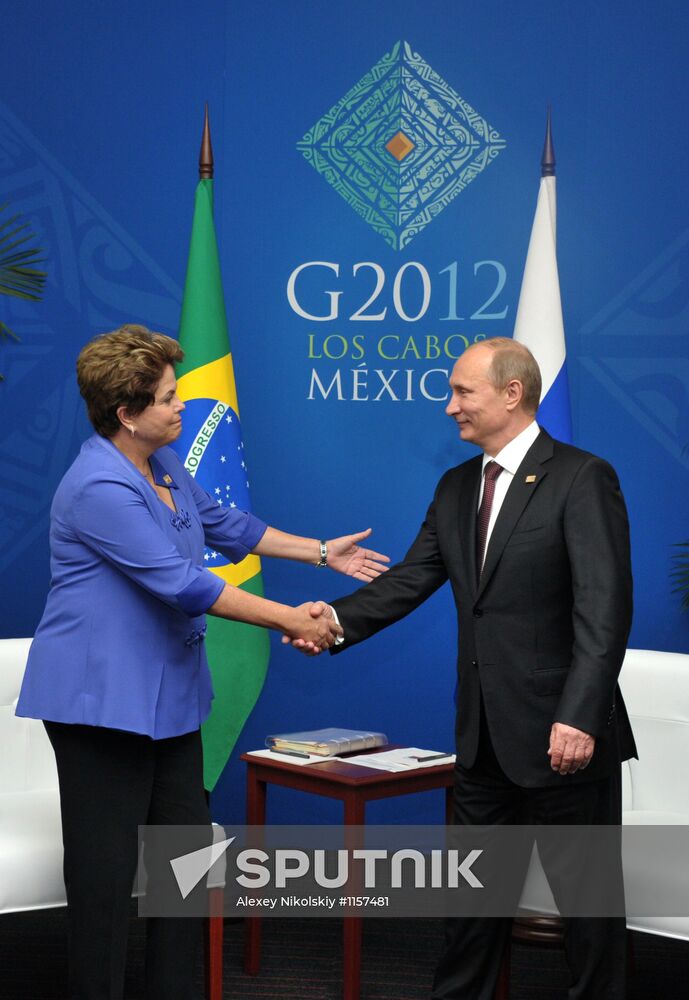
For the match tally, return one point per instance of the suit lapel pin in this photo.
(167, 479)
(530, 479)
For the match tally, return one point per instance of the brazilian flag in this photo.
(212, 450)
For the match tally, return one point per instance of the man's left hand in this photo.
(570, 748)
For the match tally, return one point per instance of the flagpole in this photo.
(206, 153)
(548, 157)
(548, 170)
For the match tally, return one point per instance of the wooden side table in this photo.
(354, 786)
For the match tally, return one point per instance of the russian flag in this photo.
(539, 324)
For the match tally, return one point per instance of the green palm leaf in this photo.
(19, 275)
(680, 573)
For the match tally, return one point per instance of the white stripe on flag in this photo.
(539, 324)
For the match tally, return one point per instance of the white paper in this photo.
(402, 759)
(288, 758)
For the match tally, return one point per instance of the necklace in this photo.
(147, 473)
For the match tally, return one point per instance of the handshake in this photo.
(312, 628)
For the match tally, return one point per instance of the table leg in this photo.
(354, 815)
(352, 958)
(255, 799)
(214, 945)
(255, 816)
(354, 809)
(252, 945)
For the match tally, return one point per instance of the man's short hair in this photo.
(123, 368)
(512, 360)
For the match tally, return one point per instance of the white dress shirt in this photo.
(510, 458)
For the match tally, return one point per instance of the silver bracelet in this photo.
(323, 561)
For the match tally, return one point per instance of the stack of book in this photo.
(326, 742)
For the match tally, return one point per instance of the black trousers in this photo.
(594, 947)
(110, 783)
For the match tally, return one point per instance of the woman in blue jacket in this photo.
(117, 668)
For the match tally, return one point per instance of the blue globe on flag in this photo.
(212, 450)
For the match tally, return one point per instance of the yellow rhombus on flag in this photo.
(237, 653)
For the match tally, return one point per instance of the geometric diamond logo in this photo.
(400, 145)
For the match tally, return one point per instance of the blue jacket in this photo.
(120, 643)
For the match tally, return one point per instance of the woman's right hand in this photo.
(317, 633)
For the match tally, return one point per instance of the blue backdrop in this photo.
(99, 132)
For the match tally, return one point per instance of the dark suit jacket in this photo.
(542, 636)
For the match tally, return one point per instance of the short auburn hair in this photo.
(123, 368)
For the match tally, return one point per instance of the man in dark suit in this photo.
(534, 539)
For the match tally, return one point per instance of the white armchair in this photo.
(30, 824)
(655, 790)
(655, 686)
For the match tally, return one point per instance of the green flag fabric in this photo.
(212, 450)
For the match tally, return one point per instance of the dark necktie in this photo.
(490, 474)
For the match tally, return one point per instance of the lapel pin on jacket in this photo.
(530, 479)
